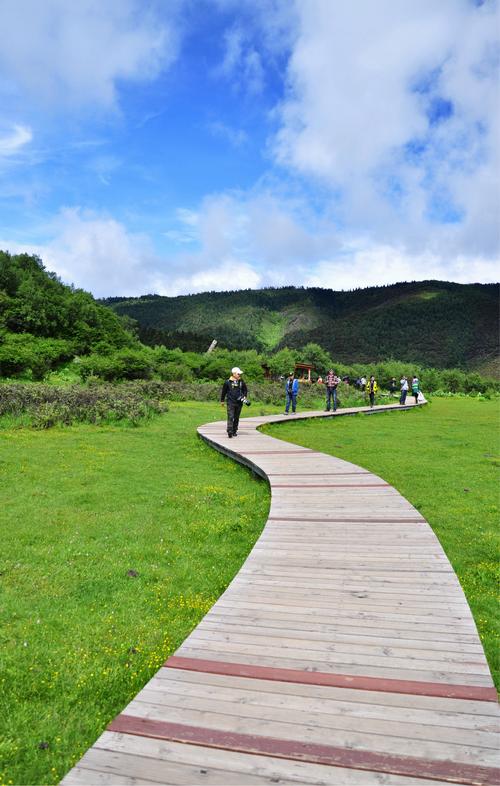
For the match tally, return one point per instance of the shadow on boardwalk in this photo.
(343, 652)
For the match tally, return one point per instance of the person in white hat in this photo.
(234, 392)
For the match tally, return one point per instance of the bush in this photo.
(106, 367)
(47, 405)
(175, 371)
(22, 352)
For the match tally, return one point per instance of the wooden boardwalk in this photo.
(343, 652)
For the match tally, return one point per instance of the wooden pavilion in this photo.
(303, 372)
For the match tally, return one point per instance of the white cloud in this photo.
(236, 242)
(377, 265)
(230, 275)
(271, 23)
(73, 53)
(242, 63)
(235, 136)
(394, 106)
(96, 253)
(14, 138)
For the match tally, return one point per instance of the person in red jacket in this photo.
(331, 383)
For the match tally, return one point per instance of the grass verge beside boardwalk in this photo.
(444, 458)
(115, 542)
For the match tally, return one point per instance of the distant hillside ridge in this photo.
(433, 323)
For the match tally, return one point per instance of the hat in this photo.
(291, 374)
(236, 370)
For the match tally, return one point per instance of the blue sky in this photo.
(176, 146)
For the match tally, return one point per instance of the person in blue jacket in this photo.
(291, 390)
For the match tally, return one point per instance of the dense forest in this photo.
(433, 323)
(44, 323)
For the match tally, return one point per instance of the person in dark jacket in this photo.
(291, 393)
(234, 392)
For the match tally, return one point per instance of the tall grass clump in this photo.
(43, 406)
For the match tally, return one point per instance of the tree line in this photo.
(46, 325)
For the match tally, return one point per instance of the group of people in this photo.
(234, 393)
(371, 387)
(404, 387)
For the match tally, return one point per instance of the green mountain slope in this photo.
(436, 323)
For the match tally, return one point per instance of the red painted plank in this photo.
(295, 750)
(410, 687)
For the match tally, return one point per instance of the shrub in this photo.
(47, 405)
(175, 371)
(107, 367)
(22, 352)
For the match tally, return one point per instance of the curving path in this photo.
(343, 652)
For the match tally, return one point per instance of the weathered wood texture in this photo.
(344, 651)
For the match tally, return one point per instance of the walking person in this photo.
(291, 391)
(234, 392)
(393, 386)
(371, 389)
(403, 385)
(331, 382)
(415, 387)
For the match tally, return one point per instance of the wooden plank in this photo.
(429, 648)
(346, 749)
(488, 712)
(82, 775)
(443, 656)
(346, 630)
(151, 770)
(318, 664)
(328, 701)
(395, 620)
(320, 719)
(254, 764)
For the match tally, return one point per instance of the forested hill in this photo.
(434, 323)
(44, 323)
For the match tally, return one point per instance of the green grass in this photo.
(444, 458)
(83, 506)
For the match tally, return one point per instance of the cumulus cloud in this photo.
(100, 254)
(74, 53)
(236, 241)
(394, 106)
(374, 265)
(14, 138)
(96, 253)
(230, 275)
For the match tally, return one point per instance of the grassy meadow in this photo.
(116, 541)
(445, 459)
